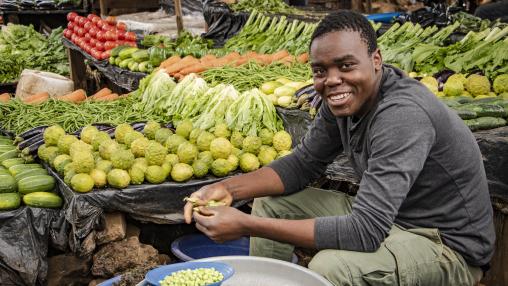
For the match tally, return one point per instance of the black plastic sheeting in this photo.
(121, 77)
(494, 147)
(188, 6)
(25, 234)
(222, 22)
(161, 204)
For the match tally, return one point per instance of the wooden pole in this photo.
(178, 12)
(103, 7)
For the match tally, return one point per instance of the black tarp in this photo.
(222, 22)
(25, 234)
(121, 77)
(161, 204)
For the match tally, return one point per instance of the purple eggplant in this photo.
(30, 133)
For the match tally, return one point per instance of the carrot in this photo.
(197, 68)
(287, 60)
(37, 98)
(171, 60)
(303, 58)
(264, 59)
(5, 97)
(183, 63)
(75, 96)
(232, 56)
(207, 58)
(279, 55)
(101, 93)
(241, 61)
(108, 97)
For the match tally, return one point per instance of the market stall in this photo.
(246, 80)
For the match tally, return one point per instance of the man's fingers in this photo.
(202, 228)
(205, 211)
(187, 212)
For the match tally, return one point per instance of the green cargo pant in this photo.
(406, 257)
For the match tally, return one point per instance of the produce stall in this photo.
(209, 107)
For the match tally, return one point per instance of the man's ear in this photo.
(377, 59)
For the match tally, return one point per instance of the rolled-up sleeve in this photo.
(401, 137)
(309, 159)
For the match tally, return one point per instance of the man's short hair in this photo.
(346, 20)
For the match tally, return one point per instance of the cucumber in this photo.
(9, 155)
(17, 169)
(127, 53)
(133, 66)
(125, 63)
(112, 60)
(12, 162)
(7, 184)
(30, 173)
(140, 56)
(117, 50)
(40, 183)
(9, 201)
(483, 123)
(6, 148)
(43, 200)
(466, 114)
(491, 110)
(118, 61)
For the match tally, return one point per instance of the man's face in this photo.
(345, 75)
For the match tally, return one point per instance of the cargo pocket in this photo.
(414, 251)
(379, 278)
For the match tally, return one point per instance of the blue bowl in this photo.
(198, 246)
(110, 282)
(154, 276)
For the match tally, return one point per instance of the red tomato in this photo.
(74, 38)
(130, 36)
(96, 54)
(109, 45)
(120, 35)
(67, 33)
(110, 36)
(121, 26)
(88, 37)
(105, 55)
(101, 36)
(101, 23)
(75, 28)
(70, 26)
(100, 46)
(93, 42)
(81, 32)
(91, 16)
(71, 16)
(82, 21)
(88, 25)
(111, 20)
(132, 44)
(96, 19)
(93, 31)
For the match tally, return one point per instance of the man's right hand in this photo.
(217, 192)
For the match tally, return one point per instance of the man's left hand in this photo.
(221, 223)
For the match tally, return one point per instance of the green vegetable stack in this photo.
(479, 103)
(22, 47)
(133, 59)
(20, 181)
(157, 154)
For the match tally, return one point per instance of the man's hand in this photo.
(216, 192)
(221, 223)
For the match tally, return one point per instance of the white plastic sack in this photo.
(33, 81)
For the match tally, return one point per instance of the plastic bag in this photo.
(222, 22)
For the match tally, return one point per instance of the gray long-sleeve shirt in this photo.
(420, 167)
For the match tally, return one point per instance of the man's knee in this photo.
(329, 264)
(264, 207)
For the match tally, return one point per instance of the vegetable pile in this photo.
(19, 117)
(151, 153)
(22, 47)
(96, 36)
(265, 6)
(22, 181)
(479, 103)
(194, 277)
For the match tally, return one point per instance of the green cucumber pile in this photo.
(133, 59)
(25, 182)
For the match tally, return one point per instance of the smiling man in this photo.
(422, 214)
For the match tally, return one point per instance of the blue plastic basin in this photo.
(198, 246)
(383, 17)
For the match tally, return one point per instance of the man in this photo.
(493, 11)
(422, 215)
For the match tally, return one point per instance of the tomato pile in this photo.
(97, 36)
